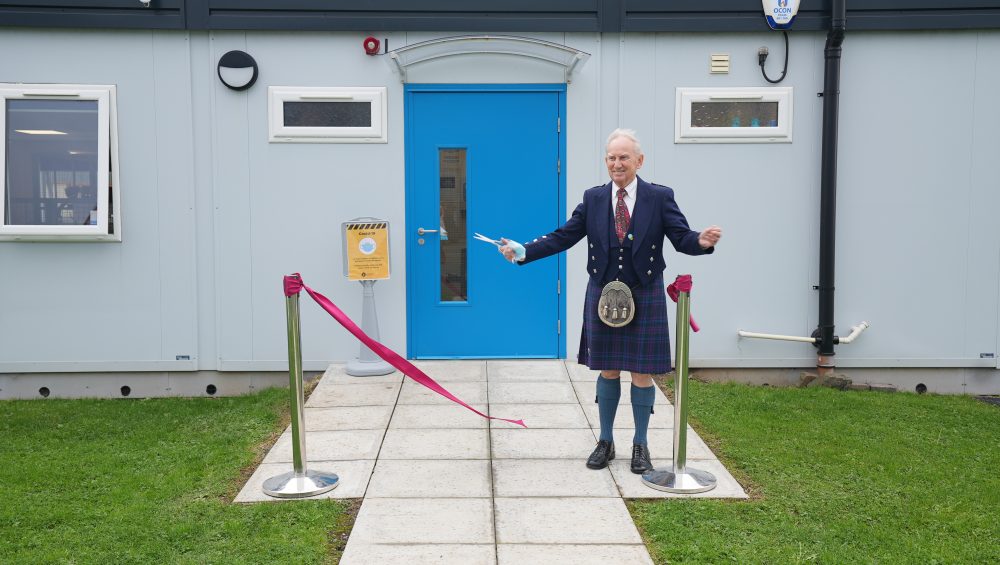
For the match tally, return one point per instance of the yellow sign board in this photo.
(366, 253)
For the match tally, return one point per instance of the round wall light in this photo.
(237, 70)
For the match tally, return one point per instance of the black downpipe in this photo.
(828, 181)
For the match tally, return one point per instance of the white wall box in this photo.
(327, 114)
(733, 115)
(60, 163)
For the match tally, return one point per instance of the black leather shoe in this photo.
(604, 452)
(640, 459)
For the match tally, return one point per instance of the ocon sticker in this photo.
(780, 14)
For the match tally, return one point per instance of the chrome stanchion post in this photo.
(681, 479)
(299, 482)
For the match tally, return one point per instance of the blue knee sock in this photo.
(609, 391)
(642, 407)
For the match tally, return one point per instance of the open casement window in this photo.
(327, 114)
(60, 163)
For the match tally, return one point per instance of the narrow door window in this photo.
(454, 266)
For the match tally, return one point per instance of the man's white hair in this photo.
(627, 134)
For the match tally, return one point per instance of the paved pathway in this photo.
(443, 485)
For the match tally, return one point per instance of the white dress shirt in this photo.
(629, 197)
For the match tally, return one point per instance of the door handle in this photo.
(422, 231)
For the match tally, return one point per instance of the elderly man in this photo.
(625, 310)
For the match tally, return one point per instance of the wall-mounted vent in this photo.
(720, 64)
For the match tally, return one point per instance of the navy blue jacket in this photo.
(655, 216)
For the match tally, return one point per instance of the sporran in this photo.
(616, 307)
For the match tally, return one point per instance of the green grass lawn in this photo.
(149, 481)
(838, 477)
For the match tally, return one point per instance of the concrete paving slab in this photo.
(564, 521)
(526, 371)
(540, 416)
(428, 416)
(435, 444)
(516, 478)
(532, 393)
(542, 444)
(662, 416)
(470, 392)
(661, 443)
(587, 391)
(424, 521)
(354, 476)
(337, 374)
(631, 486)
(578, 372)
(432, 479)
(509, 554)
(381, 394)
(339, 445)
(347, 418)
(453, 371)
(426, 554)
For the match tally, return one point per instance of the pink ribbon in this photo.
(682, 284)
(293, 285)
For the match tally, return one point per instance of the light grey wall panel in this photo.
(905, 199)
(175, 216)
(96, 306)
(982, 309)
(231, 113)
(583, 167)
(203, 83)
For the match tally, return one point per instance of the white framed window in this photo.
(60, 163)
(327, 114)
(734, 115)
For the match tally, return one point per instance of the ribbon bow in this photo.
(682, 284)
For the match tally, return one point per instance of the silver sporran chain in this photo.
(616, 307)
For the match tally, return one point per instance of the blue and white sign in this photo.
(780, 13)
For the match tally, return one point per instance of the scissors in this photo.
(482, 237)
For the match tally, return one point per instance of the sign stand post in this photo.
(368, 363)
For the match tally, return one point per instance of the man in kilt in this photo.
(625, 222)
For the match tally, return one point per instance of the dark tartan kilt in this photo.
(643, 346)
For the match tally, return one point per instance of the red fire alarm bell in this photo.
(371, 45)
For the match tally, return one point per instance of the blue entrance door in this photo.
(487, 160)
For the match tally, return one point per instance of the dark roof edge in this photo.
(489, 16)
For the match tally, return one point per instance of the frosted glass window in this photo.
(327, 114)
(733, 115)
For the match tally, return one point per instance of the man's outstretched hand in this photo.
(710, 237)
(512, 250)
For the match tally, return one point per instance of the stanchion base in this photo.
(309, 483)
(688, 482)
(358, 368)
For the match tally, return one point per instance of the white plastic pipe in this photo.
(776, 336)
(855, 332)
